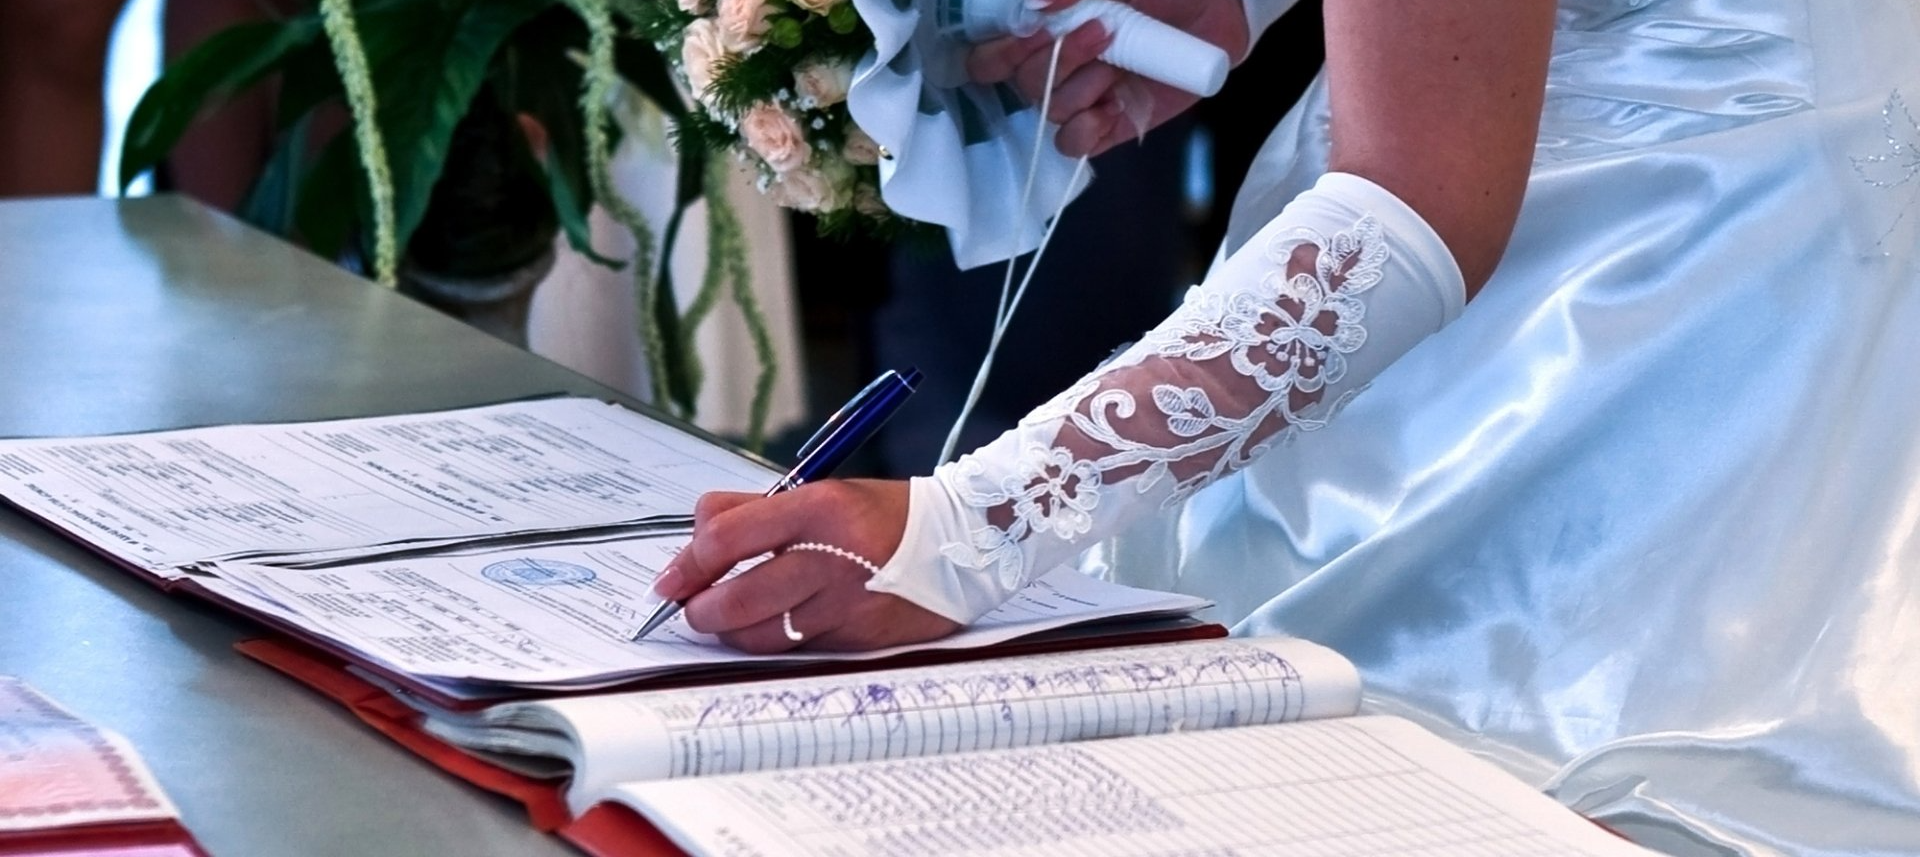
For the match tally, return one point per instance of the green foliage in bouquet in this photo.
(412, 73)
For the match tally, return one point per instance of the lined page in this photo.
(953, 708)
(1357, 787)
(166, 498)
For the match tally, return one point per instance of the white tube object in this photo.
(1141, 44)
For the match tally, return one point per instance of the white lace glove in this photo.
(1251, 354)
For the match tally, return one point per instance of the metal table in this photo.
(130, 315)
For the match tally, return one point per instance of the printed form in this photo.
(561, 614)
(165, 499)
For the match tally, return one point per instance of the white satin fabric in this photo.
(1642, 523)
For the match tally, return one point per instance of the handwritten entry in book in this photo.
(1355, 787)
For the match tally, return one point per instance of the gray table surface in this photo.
(157, 313)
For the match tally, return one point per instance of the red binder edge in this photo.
(546, 810)
(158, 838)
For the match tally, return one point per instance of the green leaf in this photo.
(843, 19)
(428, 60)
(230, 60)
(682, 375)
(270, 203)
(332, 198)
(307, 79)
(784, 33)
(573, 216)
(535, 76)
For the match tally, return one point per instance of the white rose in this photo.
(695, 7)
(743, 24)
(809, 189)
(818, 7)
(774, 135)
(860, 149)
(822, 84)
(701, 51)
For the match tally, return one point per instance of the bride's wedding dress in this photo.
(1644, 521)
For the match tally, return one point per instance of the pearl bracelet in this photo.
(822, 547)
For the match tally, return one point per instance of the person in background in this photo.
(53, 58)
(52, 76)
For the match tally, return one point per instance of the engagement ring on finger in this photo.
(786, 624)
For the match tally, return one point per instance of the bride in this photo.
(1558, 369)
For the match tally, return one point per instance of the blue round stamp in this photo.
(537, 572)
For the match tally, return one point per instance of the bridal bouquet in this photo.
(770, 81)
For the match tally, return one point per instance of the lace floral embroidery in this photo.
(1252, 366)
(1899, 163)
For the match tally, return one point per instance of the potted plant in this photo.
(474, 131)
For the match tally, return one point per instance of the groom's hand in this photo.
(1096, 105)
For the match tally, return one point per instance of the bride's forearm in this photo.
(1340, 284)
(1440, 104)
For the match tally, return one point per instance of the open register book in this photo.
(465, 555)
(996, 758)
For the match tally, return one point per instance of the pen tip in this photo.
(661, 613)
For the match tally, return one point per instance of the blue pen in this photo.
(844, 432)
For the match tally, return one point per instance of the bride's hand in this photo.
(825, 595)
(1096, 105)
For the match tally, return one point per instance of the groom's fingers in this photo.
(997, 60)
(1083, 90)
(1080, 47)
(1090, 132)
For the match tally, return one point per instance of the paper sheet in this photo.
(560, 615)
(57, 770)
(1355, 787)
(167, 498)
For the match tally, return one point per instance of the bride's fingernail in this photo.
(668, 582)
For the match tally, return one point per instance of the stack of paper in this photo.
(508, 546)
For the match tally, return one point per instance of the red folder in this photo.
(120, 839)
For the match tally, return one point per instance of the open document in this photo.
(559, 615)
(164, 500)
(996, 704)
(1352, 786)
